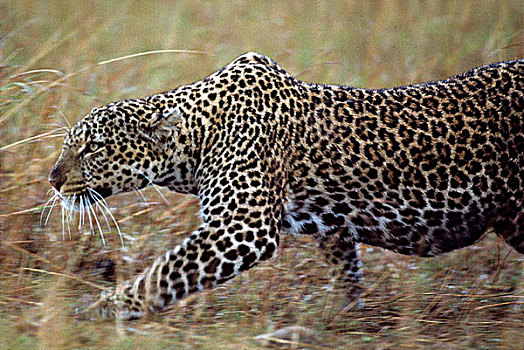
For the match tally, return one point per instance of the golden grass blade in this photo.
(154, 52)
(49, 46)
(66, 275)
(86, 68)
(499, 304)
(45, 135)
(35, 71)
(25, 251)
(25, 211)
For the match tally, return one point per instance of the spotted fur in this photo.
(419, 170)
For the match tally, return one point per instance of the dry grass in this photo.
(49, 73)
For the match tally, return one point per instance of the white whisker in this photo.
(70, 203)
(69, 213)
(53, 204)
(81, 212)
(46, 205)
(63, 217)
(98, 225)
(49, 204)
(59, 130)
(83, 205)
(91, 228)
(69, 229)
(160, 193)
(100, 208)
(104, 205)
(85, 208)
(68, 126)
(66, 216)
(154, 186)
(59, 127)
(141, 196)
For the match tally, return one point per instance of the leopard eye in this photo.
(93, 147)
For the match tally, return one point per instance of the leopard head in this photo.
(120, 147)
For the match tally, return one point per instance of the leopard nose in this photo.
(56, 178)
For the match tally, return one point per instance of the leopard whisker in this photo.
(69, 230)
(51, 202)
(56, 198)
(69, 203)
(63, 219)
(80, 212)
(65, 216)
(69, 213)
(60, 126)
(60, 130)
(85, 207)
(92, 210)
(89, 214)
(154, 186)
(101, 209)
(65, 124)
(47, 204)
(68, 124)
(102, 202)
(85, 211)
(141, 196)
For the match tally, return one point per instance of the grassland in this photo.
(54, 69)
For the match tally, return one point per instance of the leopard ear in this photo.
(159, 119)
(161, 125)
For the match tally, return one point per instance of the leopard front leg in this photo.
(240, 229)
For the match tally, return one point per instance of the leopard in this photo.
(422, 169)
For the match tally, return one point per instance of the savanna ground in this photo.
(54, 69)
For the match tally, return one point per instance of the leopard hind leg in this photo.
(511, 229)
(346, 283)
(508, 219)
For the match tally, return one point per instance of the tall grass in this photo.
(54, 68)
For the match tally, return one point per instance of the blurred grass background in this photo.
(49, 52)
